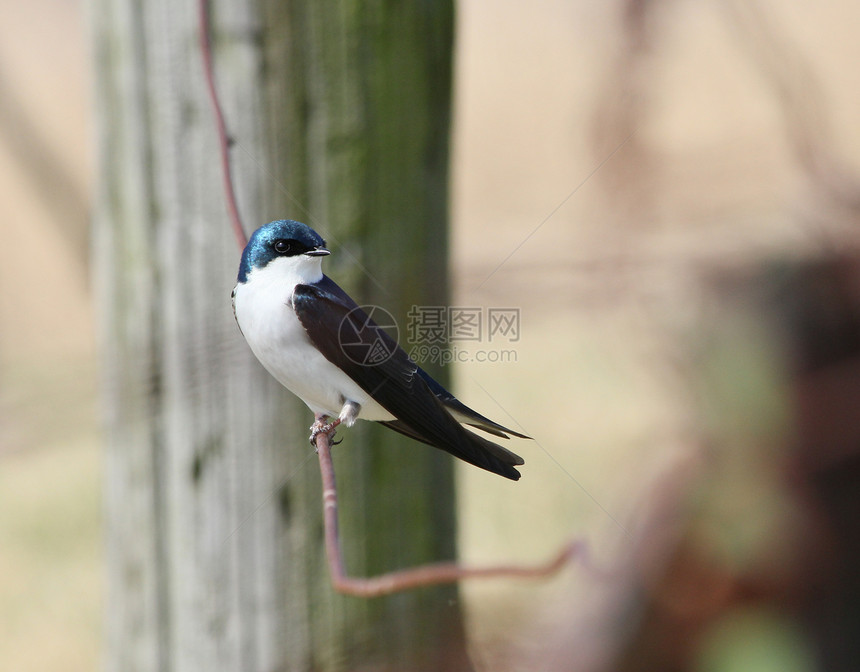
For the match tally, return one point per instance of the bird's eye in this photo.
(282, 246)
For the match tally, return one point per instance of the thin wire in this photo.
(557, 463)
(558, 207)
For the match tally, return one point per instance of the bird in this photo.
(301, 326)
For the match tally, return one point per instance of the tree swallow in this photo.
(299, 323)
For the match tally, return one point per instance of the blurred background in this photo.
(622, 171)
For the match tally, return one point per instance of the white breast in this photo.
(266, 317)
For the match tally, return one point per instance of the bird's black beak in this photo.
(317, 252)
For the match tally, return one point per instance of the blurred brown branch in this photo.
(425, 575)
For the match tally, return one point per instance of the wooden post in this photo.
(340, 114)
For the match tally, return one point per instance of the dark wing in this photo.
(465, 414)
(351, 340)
(503, 454)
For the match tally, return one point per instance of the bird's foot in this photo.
(320, 426)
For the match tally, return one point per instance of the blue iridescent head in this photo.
(281, 238)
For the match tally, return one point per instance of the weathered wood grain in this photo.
(340, 116)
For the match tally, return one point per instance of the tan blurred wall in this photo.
(44, 306)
